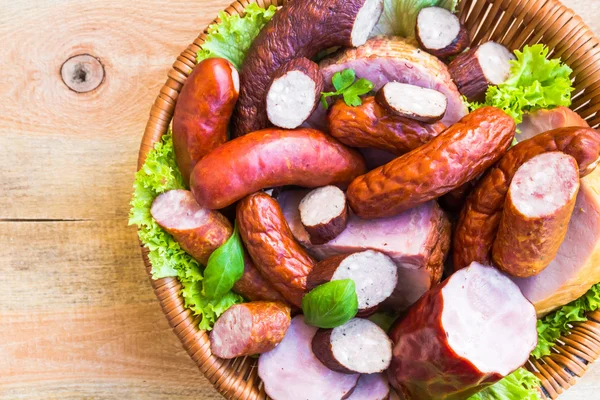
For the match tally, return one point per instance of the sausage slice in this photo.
(292, 372)
(371, 387)
(536, 215)
(414, 102)
(324, 213)
(440, 33)
(463, 335)
(374, 273)
(358, 346)
(249, 328)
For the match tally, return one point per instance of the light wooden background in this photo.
(78, 318)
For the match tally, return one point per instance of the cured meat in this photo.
(414, 102)
(253, 286)
(324, 213)
(371, 387)
(541, 121)
(465, 334)
(292, 372)
(439, 32)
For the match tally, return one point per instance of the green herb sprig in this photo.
(346, 85)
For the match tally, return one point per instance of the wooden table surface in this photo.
(78, 316)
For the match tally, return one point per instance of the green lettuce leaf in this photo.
(158, 175)
(400, 16)
(231, 38)
(520, 385)
(555, 324)
(534, 83)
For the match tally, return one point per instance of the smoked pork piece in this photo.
(371, 387)
(324, 213)
(417, 240)
(439, 32)
(541, 121)
(249, 328)
(462, 336)
(536, 214)
(414, 102)
(292, 372)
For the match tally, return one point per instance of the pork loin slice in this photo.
(374, 274)
(417, 240)
(477, 327)
(371, 387)
(358, 346)
(439, 32)
(292, 372)
(388, 59)
(324, 213)
(414, 102)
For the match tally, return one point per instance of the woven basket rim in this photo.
(237, 379)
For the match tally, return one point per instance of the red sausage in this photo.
(253, 286)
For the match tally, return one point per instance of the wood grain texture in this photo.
(79, 319)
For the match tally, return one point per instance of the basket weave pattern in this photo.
(513, 23)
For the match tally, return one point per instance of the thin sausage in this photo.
(253, 286)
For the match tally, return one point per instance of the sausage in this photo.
(298, 29)
(358, 346)
(440, 33)
(202, 112)
(272, 247)
(536, 214)
(478, 223)
(249, 328)
(371, 387)
(413, 102)
(454, 200)
(458, 155)
(198, 231)
(463, 335)
(292, 372)
(294, 93)
(253, 286)
(270, 158)
(371, 125)
(324, 214)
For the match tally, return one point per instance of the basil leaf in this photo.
(224, 268)
(331, 304)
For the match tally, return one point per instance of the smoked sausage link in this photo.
(479, 220)
(458, 155)
(270, 158)
(203, 110)
(249, 328)
(253, 286)
(270, 243)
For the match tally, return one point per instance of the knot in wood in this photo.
(82, 73)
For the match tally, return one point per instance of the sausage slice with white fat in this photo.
(294, 93)
(324, 213)
(358, 346)
(374, 274)
(440, 33)
(371, 387)
(475, 70)
(414, 102)
(292, 372)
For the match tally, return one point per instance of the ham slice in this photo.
(371, 387)
(575, 268)
(417, 240)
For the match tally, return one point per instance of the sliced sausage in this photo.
(249, 328)
(358, 346)
(371, 126)
(298, 29)
(371, 387)
(536, 214)
(294, 93)
(478, 223)
(292, 372)
(253, 286)
(270, 158)
(202, 112)
(475, 70)
(440, 33)
(374, 274)
(270, 243)
(465, 334)
(458, 155)
(199, 231)
(413, 102)
(324, 213)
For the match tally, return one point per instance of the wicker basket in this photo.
(513, 23)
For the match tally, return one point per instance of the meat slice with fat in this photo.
(371, 387)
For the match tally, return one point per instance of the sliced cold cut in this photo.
(199, 231)
(478, 328)
(440, 33)
(417, 240)
(371, 387)
(358, 346)
(414, 102)
(249, 328)
(292, 372)
(324, 213)
(536, 214)
(374, 273)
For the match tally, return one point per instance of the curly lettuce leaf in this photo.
(555, 324)
(535, 82)
(520, 385)
(400, 16)
(158, 175)
(232, 36)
